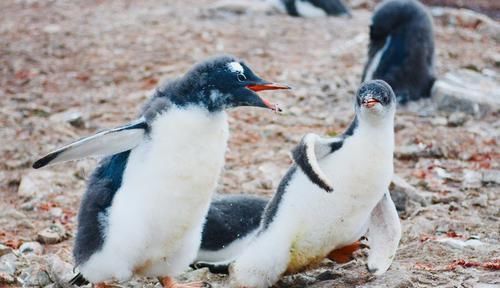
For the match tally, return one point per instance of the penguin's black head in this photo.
(223, 82)
(375, 97)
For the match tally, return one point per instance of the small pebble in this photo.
(53, 234)
(31, 248)
(4, 249)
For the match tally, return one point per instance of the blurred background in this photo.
(70, 68)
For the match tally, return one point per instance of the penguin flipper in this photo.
(104, 143)
(306, 155)
(384, 234)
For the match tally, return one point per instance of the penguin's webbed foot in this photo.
(169, 282)
(346, 253)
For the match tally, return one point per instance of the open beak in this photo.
(268, 86)
(370, 102)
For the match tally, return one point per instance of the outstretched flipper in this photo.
(384, 233)
(306, 155)
(104, 143)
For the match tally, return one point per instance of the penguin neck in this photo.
(377, 129)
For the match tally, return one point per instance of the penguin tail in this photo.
(78, 280)
(215, 268)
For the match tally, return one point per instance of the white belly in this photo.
(326, 221)
(154, 224)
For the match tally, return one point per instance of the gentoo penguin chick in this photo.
(231, 223)
(144, 207)
(335, 193)
(311, 8)
(401, 49)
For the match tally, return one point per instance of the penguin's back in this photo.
(230, 218)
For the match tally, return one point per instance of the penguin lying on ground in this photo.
(401, 49)
(144, 207)
(311, 8)
(231, 224)
(336, 192)
(298, 8)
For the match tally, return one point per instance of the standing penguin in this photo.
(336, 192)
(144, 207)
(401, 49)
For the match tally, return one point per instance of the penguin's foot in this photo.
(102, 285)
(169, 282)
(345, 254)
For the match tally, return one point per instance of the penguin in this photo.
(230, 225)
(296, 8)
(311, 8)
(401, 49)
(144, 207)
(335, 192)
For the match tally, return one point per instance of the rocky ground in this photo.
(69, 68)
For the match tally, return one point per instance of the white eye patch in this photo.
(235, 67)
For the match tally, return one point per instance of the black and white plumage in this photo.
(311, 8)
(310, 216)
(401, 49)
(230, 224)
(145, 204)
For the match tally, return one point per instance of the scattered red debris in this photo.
(149, 83)
(424, 266)
(449, 234)
(493, 265)
(453, 234)
(425, 238)
(46, 206)
(490, 265)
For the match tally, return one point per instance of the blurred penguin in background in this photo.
(401, 49)
(297, 8)
(311, 8)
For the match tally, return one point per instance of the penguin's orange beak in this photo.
(268, 86)
(370, 102)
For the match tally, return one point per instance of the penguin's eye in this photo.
(241, 77)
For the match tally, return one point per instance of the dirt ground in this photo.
(70, 68)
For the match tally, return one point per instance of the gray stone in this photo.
(56, 212)
(467, 91)
(472, 179)
(4, 249)
(457, 119)
(491, 177)
(37, 183)
(34, 276)
(73, 117)
(415, 151)
(31, 248)
(466, 18)
(8, 263)
(402, 191)
(59, 271)
(53, 234)
(8, 267)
